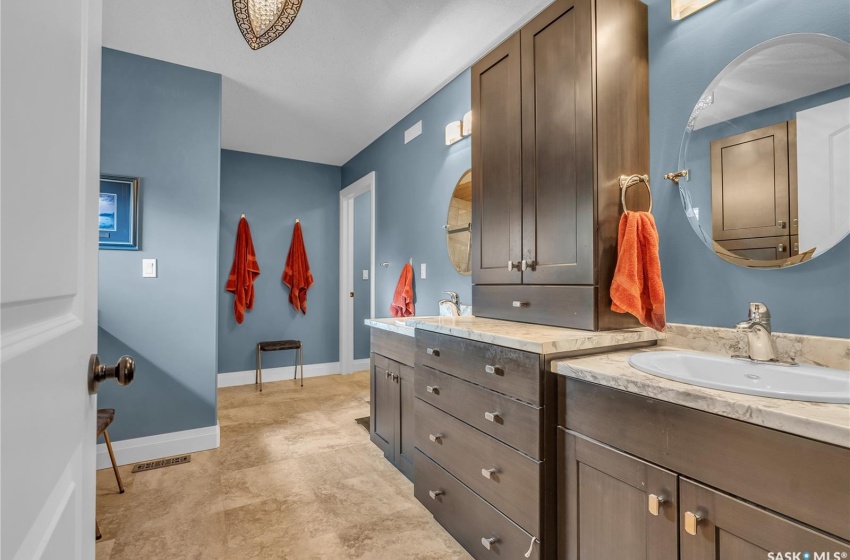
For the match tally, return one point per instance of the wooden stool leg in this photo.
(259, 380)
(301, 355)
(97, 535)
(114, 464)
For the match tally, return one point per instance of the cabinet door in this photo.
(729, 529)
(497, 166)
(383, 405)
(557, 145)
(749, 184)
(613, 505)
(405, 438)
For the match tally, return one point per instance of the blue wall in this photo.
(161, 122)
(813, 298)
(362, 261)
(414, 183)
(272, 192)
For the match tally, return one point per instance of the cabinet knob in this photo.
(520, 304)
(432, 389)
(493, 416)
(487, 543)
(655, 503)
(436, 438)
(525, 264)
(796, 247)
(395, 377)
(781, 247)
(495, 370)
(435, 493)
(488, 473)
(387, 374)
(433, 352)
(782, 224)
(514, 265)
(691, 522)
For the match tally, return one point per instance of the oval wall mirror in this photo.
(459, 224)
(767, 149)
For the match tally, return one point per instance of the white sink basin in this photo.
(797, 383)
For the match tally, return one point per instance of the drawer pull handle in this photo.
(488, 473)
(436, 438)
(520, 304)
(432, 389)
(487, 543)
(655, 503)
(435, 493)
(433, 352)
(691, 522)
(495, 370)
(493, 416)
(387, 374)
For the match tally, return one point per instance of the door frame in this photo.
(366, 184)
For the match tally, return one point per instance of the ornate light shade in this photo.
(263, 21)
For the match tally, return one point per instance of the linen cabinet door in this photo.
(405, 435)
(557, 145)
(613, 505)
(497, 167)
(716, 526)
(382, 424)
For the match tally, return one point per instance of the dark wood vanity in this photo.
(559, 116)
(644, 478)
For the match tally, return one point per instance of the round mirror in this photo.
(767, 150)
(459, 224)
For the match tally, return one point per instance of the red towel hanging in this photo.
(402, 305)
(297, 273)
(243, 272)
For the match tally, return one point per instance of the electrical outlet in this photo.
(365, 275)
(423, 271)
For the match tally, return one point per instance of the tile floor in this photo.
(295, 477)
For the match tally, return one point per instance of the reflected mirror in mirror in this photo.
(767, 149)
(459, 224)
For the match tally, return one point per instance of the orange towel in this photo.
(402, 305)
(243, 272)
(297, 273)
(637, 286)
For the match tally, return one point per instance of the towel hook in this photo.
(630, 181)
(411, 261)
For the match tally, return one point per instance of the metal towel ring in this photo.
(630, 181)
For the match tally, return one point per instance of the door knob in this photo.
(122, 372)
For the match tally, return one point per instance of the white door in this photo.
(823, 175)
(357, 272)
(49, 183)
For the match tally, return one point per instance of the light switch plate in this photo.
(365, 275)
(148, 268)
(423, 270)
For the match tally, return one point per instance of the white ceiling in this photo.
(344, 73)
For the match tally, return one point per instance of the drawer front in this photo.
(505, 370)
(467, 517)
(504, 477)
(560, 306)
(506, 419)
(398, 347)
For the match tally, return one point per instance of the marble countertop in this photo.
(391, 324)
(829, 423)
(539, 339)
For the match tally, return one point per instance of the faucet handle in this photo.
(759, 313)
(454, 297)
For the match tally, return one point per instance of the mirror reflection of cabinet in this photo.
(459, 224)
(753, 194)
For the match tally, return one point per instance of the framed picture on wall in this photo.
(118, 216)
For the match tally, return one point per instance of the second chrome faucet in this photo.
(762, 346)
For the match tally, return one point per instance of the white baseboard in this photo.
(234, 378)
(360, 365)
(130, 451)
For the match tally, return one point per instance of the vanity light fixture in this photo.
(680, 9)
(263, 21)
(458, 130)
(453, 132)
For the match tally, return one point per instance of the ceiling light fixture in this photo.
(263, 21)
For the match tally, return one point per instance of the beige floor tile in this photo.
(196, 538)
(103, 549)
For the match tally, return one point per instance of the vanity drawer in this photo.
(514, 487)
(517, 423)
(468, 518)
(505, 370)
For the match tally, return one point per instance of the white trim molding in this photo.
(234, 378)
(362, 364)
(148, 448)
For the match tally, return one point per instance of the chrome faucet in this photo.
(454, 302)
(762, 346)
